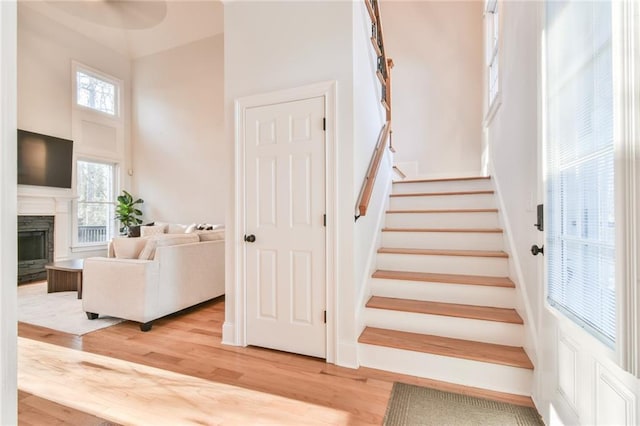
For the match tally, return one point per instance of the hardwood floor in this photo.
(189, 343)
(36, 411)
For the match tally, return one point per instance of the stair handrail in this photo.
(383, 72)
(372, 172)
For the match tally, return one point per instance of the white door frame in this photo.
(328, 91)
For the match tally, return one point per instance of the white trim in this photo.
(92, 72)
(235, 332)
(8, 213)
(626, 57)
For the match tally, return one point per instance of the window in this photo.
(580, 239)
(96, 92)
(96, 185)
(492, 33)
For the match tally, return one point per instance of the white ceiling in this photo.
(136, 28)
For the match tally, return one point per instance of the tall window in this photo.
(96, 92)
(492, 33)
(96, 201)
(580, 247)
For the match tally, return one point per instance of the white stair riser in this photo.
(458, 328)
(465, 372)
(442, 220)
(480, 295)
(473, 201)
(464, 265)
(459, 185)
(443, 240)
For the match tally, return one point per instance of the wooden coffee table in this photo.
(65, 275)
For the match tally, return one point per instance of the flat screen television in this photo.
(44, 160)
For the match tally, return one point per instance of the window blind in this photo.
(580, 225)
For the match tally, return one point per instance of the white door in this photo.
(284, 212)
(582, 340)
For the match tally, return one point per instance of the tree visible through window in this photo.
(96, 93)
(96, 201)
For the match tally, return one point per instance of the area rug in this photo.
(60, 311)
(416, 405)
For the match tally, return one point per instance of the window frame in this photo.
(492, 40)
(78, 67)
(76, 244)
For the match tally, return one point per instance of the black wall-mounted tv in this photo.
(44, 160)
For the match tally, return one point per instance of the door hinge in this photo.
(325, 317)
(324, 124)
(324, 220)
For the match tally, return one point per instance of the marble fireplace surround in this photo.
(56, 202)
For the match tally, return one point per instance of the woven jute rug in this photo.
(416, 405)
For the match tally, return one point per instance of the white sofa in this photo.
(154, 276)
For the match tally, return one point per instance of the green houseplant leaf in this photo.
(126, 211)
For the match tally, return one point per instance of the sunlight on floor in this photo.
(130, 393)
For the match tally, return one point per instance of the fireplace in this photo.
(35, 247)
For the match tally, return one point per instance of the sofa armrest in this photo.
(123, 288)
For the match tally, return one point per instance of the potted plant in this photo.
(127, 212)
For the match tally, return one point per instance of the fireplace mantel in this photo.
(56, 202)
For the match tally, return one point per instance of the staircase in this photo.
(442, 305)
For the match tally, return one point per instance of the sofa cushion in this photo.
(147, 231)
(164, 240)
(215, 235)
(178, 228)
(127, 248)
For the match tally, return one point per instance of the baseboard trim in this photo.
(347, 355)
(229, 334)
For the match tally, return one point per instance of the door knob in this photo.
(535, 250)
(250, 238)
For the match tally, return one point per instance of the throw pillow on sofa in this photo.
(127, 248)
(164, 240)
(147, 231)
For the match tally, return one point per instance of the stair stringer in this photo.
(377, 212)
(523, 305)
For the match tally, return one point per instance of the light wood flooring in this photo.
(189, 343)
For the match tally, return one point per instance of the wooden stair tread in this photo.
(445, 346)
(445, 211)
(470, 230)
(485, 313)
(445, 278)
(431, 194)
(444, 179)
(439, 252)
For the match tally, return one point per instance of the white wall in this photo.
(180, 157)
(45, 51)
(8, 235)
(279, 45)
(513, 135)
(437, 83)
